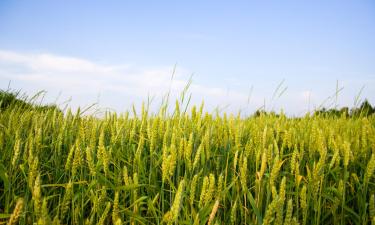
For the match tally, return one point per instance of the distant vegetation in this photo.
(14, 98)
(185, 168)
(365, 109)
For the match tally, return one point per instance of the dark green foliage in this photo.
(15, 99)
(365, 109)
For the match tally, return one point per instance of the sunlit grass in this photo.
(184, 168)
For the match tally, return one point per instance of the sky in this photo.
(240, 55)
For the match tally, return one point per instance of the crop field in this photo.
(184, 167)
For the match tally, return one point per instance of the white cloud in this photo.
(48, 62)
(118, 85)
(121, 85)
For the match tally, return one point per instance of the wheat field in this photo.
(184, 167)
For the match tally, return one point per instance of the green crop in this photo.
(184, 168)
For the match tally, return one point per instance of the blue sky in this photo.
(119, 52)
